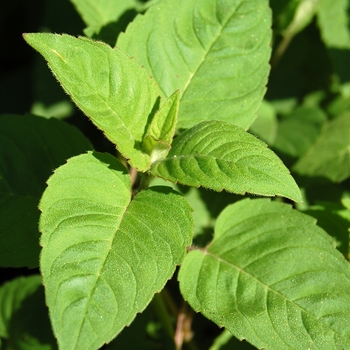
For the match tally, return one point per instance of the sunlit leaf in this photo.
(215, 52)
(105, 254)
(113, 90)
(222, 156)
(273, 277)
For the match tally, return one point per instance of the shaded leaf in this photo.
(24, 321)
(30, 149)
(215, 52)
(109, 87)
(297, 132)
(329, 156)
(273, 277)
(105, 255)
(332, 18)
(335, 220)
(265, 125)
(219, 156)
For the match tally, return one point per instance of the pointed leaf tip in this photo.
(222, 156)
(112, 89)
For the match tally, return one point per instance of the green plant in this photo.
(176, 96)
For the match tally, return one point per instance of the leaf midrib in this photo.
(241, 270)
(208, 50)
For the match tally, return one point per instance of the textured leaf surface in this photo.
(273, 277)
(219, 156)
(215, 52)
(333, 21)
(109, 87)
(24, 321)
(30, 148)
(329, 156)
(104, 256)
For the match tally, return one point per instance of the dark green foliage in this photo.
(131, 204)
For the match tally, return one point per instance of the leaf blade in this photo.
(188, 45)
(270, 288)
(219, 156)
(104, 256)
(329, 156)
(109, 87)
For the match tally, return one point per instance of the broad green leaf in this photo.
(30, 148)
(97, 14)
(329, 156)
(299, 130)
(273, 277)
(105, 254)
(222, 156)
(332, 18)
(215, 52)
(24, 321)
(160, 132)
(108, 86)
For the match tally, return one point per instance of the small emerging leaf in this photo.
(219, 156)
(105, 254)
(161, 130)
(273, 277)
(113, 90)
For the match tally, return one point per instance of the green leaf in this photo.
(332, 18)
(30, 148)
(160, 132)
(265, 125)
(97, 14)
(215, 52)
(329, 156)
(273, 277)
(335, 220)
(299, 130)
(108, 86)
(219, 156)
(24, 321)
(105, 254)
